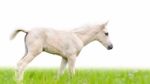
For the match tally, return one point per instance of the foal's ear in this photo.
(105, 23)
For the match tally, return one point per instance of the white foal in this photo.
(65, 44)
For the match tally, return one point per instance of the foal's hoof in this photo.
(19, 82)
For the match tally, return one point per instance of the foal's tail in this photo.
(13, 35)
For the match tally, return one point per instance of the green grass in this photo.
(82, 76)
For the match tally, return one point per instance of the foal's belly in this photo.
(53, 50)
(63, 49)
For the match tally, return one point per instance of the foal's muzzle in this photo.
(110, 47)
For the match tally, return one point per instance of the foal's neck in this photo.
(88, 34)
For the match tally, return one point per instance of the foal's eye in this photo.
(106, 34)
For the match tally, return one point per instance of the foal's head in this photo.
(103, 37)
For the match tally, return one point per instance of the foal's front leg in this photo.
(71, 64)
(62, 66)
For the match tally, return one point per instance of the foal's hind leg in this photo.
(33, 51)
(23, 63)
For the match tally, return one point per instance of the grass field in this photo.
(82, 76)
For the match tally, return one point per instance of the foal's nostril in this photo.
(110, 47)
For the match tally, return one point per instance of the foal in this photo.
(63, 43)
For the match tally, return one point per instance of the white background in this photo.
(129, 28)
